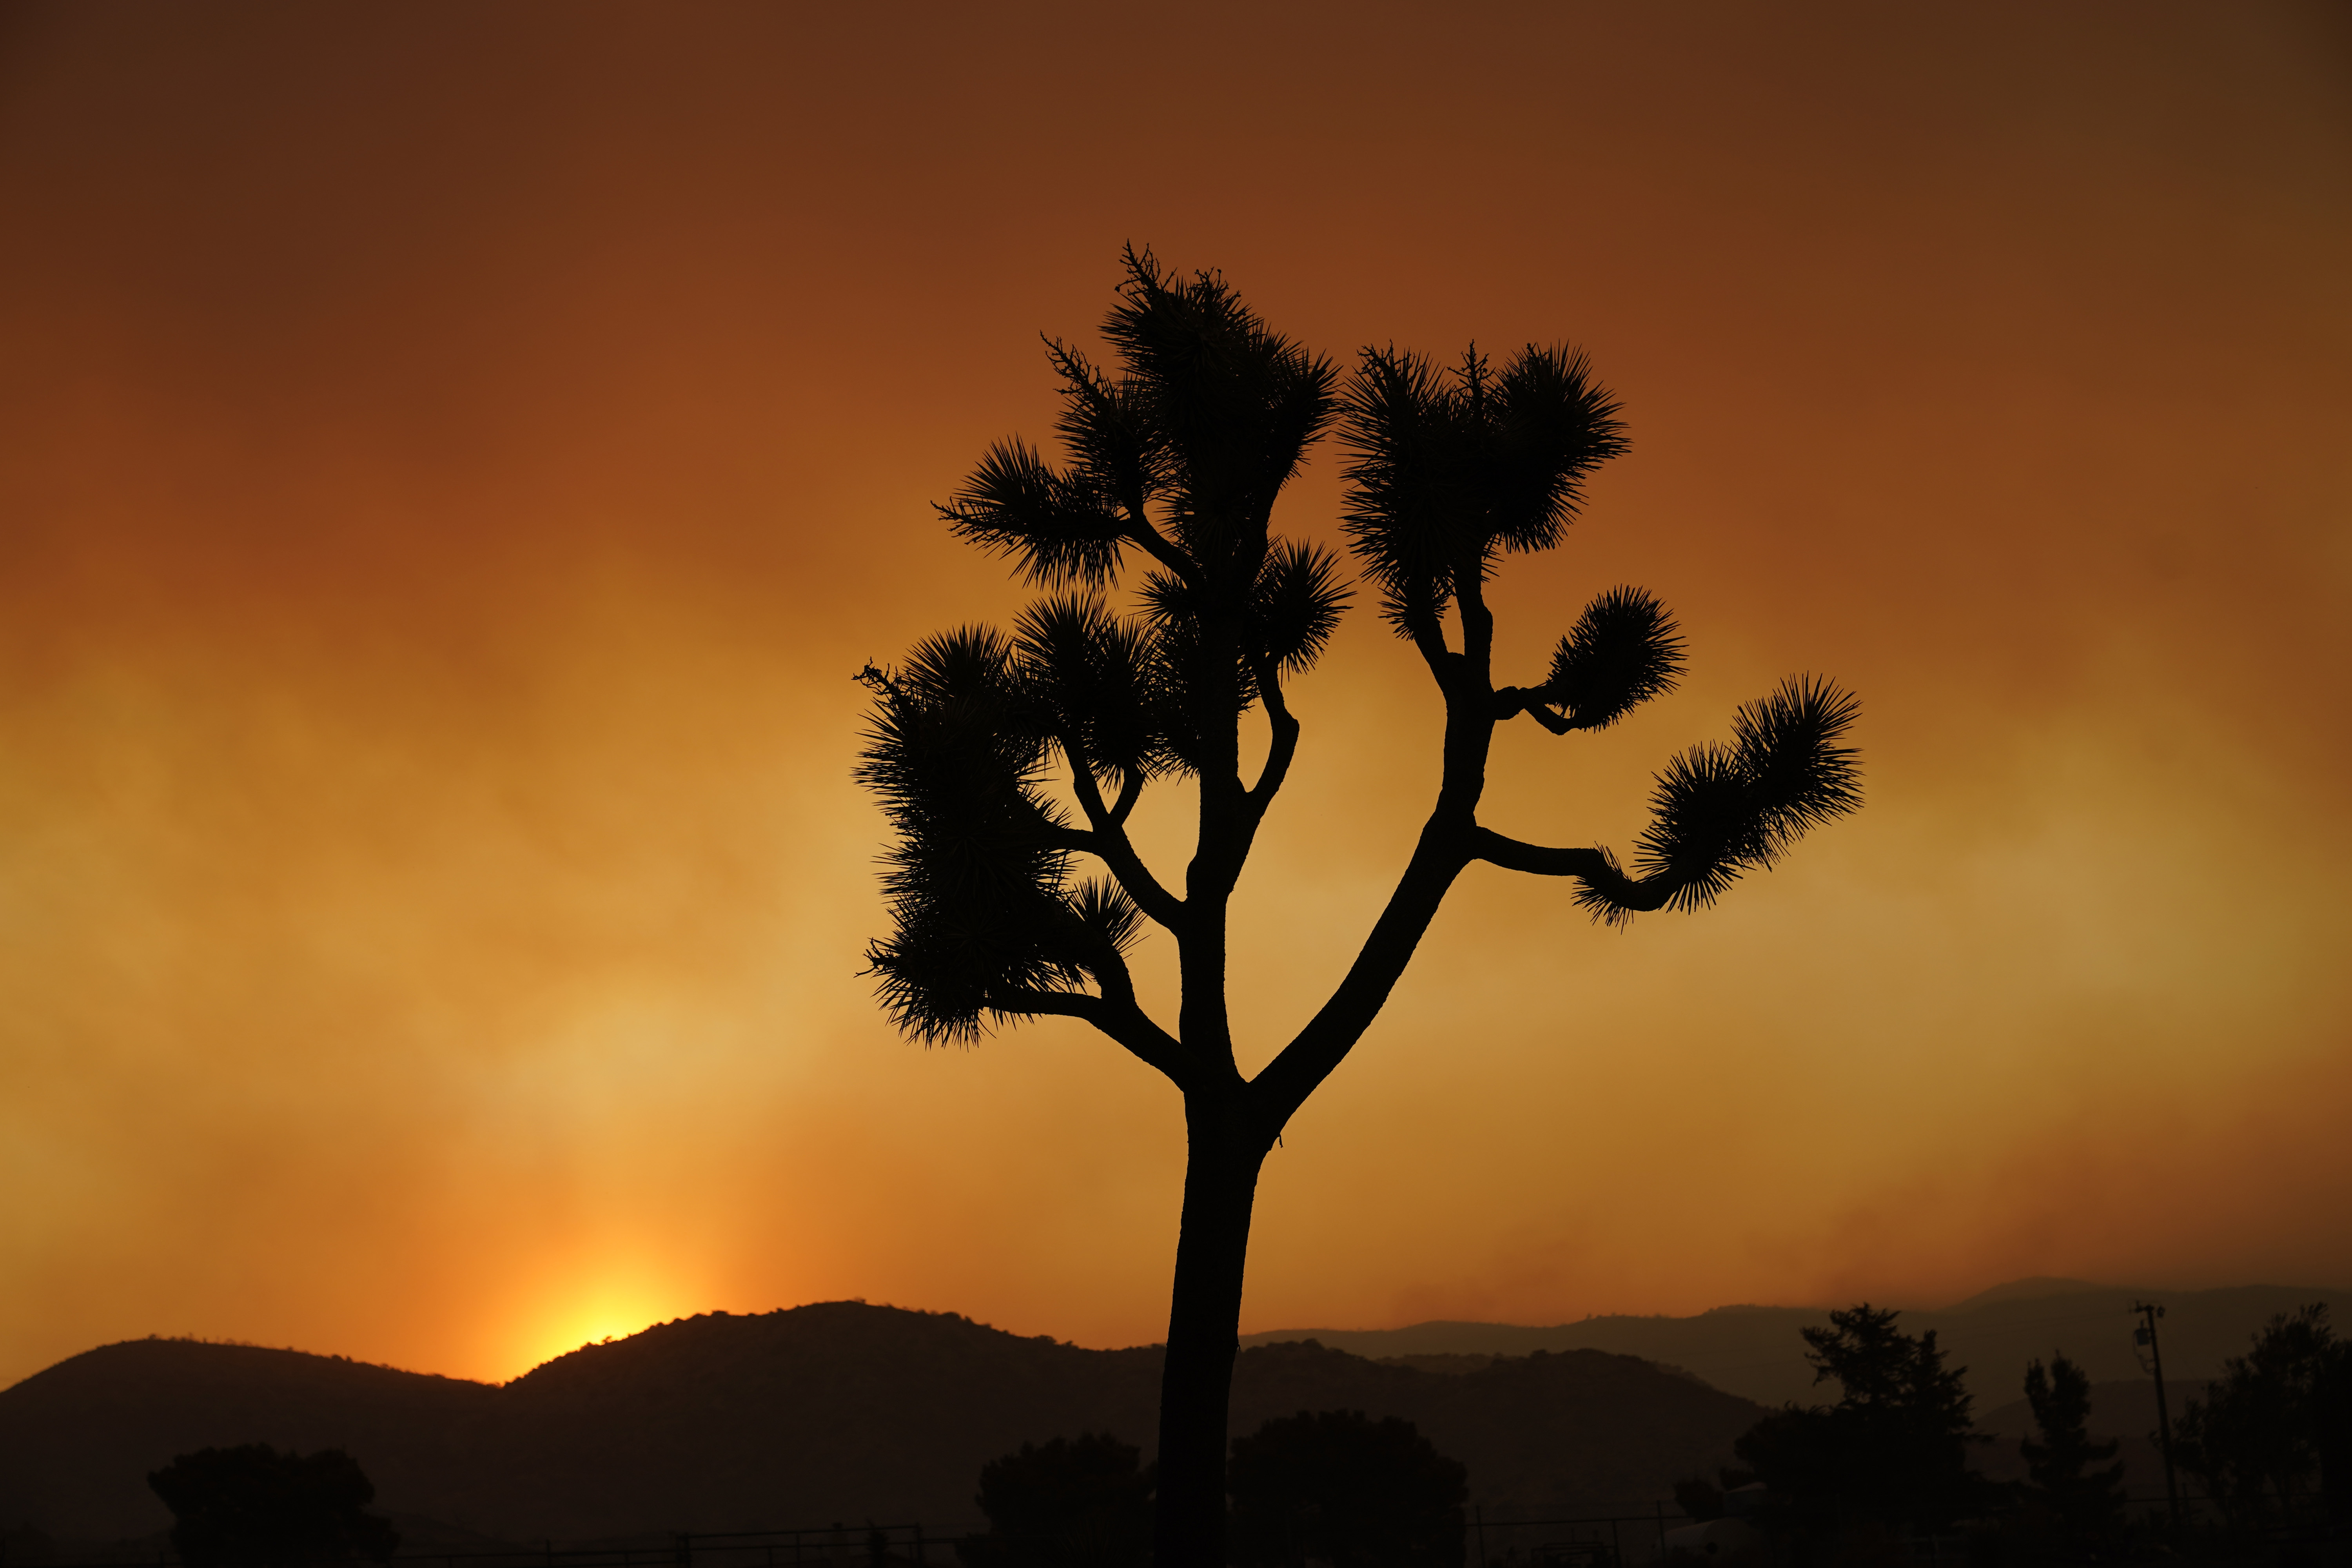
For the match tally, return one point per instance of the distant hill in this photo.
(78, 1440)
(835, 1412)
(847, 1411)
(1755, 1351)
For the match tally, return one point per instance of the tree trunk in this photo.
(1204, 1330)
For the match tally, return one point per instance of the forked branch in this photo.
(1106, 841)
(1282, 742)
(1118, 1018)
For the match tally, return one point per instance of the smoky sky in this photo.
(453, 459)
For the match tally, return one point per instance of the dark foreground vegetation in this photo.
(1894, 1471)
(836, 1412)
(2264, 1461)
(253, 1507)
(1883, 1477)
(1333, 1487)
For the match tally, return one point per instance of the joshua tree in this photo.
(1003, 760)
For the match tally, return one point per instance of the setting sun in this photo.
(618, 1304)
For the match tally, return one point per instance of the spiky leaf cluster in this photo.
(1181, 452)
(1718, 810)
(1179, 449)
(1206, 417)
(1093, 684)
(1452, 467)
(977, 881)
(1279, 628)
(1294, 607)
(1063, 525)
(1231, 406)
(1623, 652)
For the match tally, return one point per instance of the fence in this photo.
(1586, 1542)
(830, 1546)
(1493, 1539)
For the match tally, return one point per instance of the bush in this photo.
(1352, 1493)
(253, 1507)
(1083, 1502)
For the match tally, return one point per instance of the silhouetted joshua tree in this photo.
(1174, 460)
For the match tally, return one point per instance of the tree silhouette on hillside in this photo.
(2274, 1433)
(1172, 612)
(2067, 1474)
(1891, 1450)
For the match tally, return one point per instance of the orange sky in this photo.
(452, 460)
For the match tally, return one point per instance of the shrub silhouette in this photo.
(1354, 1493)
(1082, 1502)
(253, 1507)
(1003, 758)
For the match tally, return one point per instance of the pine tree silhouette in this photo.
(1894, 1448)
(2085, 1503)
(1174, 460)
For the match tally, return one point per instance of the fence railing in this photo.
(1492, 1538)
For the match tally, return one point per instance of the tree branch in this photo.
(1591, 867)
(1285, 1082)
(1445, 847)
(1283, 745)
(1109, 842)
(1510, 701)
(1131, 790)
(1429, 636)
(1116, 1016)
(1477, 620)
(1154, 544)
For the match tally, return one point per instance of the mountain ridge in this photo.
(832, 1411)
(842, 1410)
(1756, 1352)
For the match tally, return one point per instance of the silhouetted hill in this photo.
(839, 1411)
(2036, 1288)
(1756, 1352)
(78, 1439)
(1578, 1432)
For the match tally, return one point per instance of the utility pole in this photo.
(2146, 1335)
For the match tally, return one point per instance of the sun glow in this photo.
(612, 1308)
